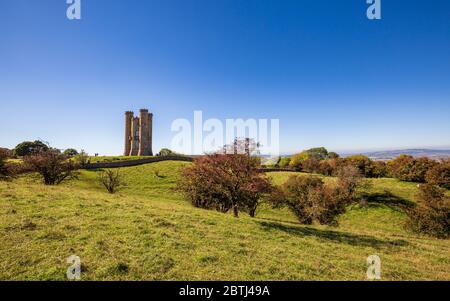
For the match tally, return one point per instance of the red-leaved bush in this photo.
(51, 165)
(310, 199)
(224, 183)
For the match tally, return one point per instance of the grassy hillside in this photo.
(147, 231)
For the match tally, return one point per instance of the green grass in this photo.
(148, 232)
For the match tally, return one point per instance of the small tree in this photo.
(432, 214)
(52, 166)
(166, 152)
(28, 148)
(224, 182)
(111, 179)
(82, 158)
(70, 152)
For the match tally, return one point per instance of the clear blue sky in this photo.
(330, 75)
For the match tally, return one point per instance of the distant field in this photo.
(148, 232)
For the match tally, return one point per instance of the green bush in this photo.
(310, 158)
(28, 148)
(284, 162)
(166, 152)
(70, 152)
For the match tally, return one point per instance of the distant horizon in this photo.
(340, 152)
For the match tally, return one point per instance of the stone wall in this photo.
(137, 162)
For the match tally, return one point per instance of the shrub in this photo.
(5, 170)
(333, 155)
(28, 148)
(224, 182)
(326, 167)
(379, 169)
(52, 166)
(432, 213)
(318, 153)
(439, 174)
(70, 152)
(294, 194)
(310, 200)
(349, 179)
(420, 168)
(82, 158)
(407, 168)
(363, 163)
(297, 160)
(166, 152)
(313, 156)
(284, 162)
(7, 153)
(111, 179)
(311, 165)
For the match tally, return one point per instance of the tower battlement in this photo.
(138, 133)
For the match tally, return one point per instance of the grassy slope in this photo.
(147, 231)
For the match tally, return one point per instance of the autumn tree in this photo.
(53, 166)
(224, 183)
(439, 174)
(408, 168)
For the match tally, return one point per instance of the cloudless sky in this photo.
(332, 77)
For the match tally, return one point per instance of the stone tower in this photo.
(128, 135)
(138, 134)
(134, 137)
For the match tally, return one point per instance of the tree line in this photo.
(404, 167)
